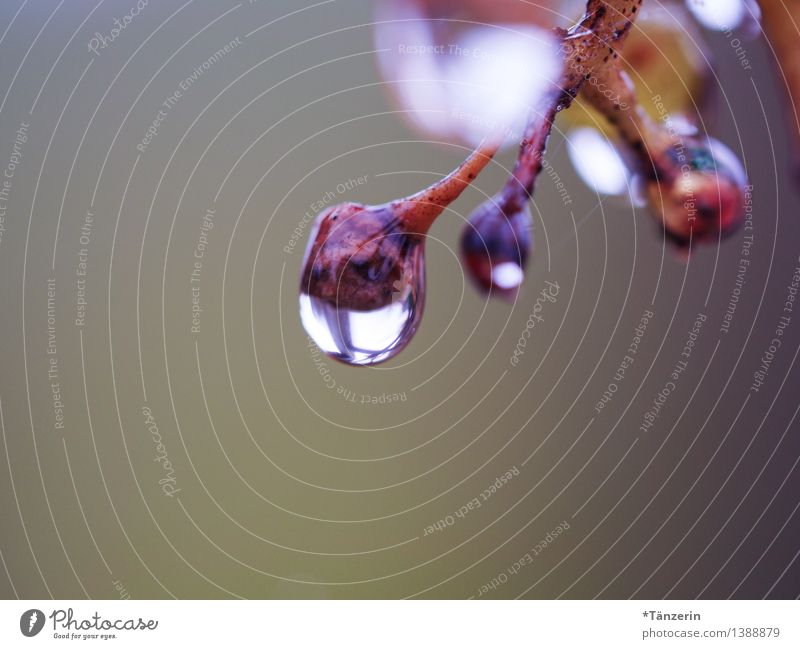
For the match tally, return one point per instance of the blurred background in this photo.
(170, 431)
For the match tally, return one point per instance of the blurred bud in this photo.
(704, 197)
(459, 77)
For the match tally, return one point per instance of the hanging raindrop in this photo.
(497, 242)
(495, 246)
(362, 289)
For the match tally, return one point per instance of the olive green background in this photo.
(292, 481)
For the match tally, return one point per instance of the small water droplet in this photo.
(496, 244)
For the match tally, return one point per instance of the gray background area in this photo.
(283, 474)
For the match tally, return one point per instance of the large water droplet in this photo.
(362, 291)
(362, 288)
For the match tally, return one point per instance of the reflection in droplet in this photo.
(508, 275)
(360, 337)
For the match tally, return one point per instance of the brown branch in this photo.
(695, 191)
(496, 243)
(589, 46)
